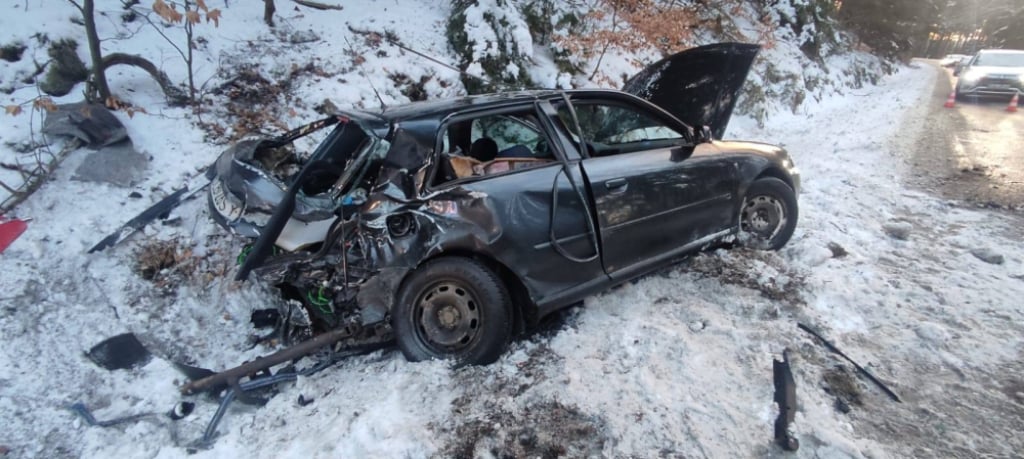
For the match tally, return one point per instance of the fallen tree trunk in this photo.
(175, 96)
(318, 5)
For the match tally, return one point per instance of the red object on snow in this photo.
(10, 230)
(951, 100)
(1012, 106)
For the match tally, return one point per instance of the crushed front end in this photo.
(363, 182)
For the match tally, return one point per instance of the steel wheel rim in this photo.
(763, 216)
(447, 316)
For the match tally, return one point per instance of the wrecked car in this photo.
(454, 224)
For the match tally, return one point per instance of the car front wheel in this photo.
(768, 215)
(453, 309)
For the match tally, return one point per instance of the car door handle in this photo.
(616, 185)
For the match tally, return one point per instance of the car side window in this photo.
(613, 128)
(509, 132)
(491, 144)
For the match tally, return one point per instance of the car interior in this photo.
(611, 129)
(491, 144)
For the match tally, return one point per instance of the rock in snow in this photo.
(898, 230)
(988, 255)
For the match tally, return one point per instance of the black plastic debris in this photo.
(785, 397)
(119, 353)
(262, 318)
(181, 410)
(303, 401)
(860, 369)
(91, 123)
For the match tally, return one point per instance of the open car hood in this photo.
(699, 86)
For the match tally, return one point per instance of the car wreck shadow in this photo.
(553, 323)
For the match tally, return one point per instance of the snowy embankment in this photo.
(678, 363)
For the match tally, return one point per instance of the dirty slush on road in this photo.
(944, 167)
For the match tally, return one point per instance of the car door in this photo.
(531, 219)
(653, 198)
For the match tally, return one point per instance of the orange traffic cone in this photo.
(951, 100)
(1012, 106)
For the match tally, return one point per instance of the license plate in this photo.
(225, 204)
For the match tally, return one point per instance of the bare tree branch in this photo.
(99, 77)
(174, 95)
(157, 28)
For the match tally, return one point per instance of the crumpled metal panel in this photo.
(91, 123)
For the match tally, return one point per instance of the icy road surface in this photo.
(973, 151)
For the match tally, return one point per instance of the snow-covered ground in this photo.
(676, 364)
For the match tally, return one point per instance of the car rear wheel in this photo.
(454, 309)
(768, 215)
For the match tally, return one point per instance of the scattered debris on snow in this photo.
(627, 375)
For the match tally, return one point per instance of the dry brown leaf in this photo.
(131, 111)
(167, 12)
(292, 113)
(112, 103)
(13, 110)
(192, 17)
(213, 15)
(202, 5)
(45, 103)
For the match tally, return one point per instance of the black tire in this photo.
(768, 214)
(453, 309)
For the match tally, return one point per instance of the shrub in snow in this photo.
(66, 68)
(492, 41)
(12, 52)
(562, 43)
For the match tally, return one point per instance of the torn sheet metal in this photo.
(91, 123)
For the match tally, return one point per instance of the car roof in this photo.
(440, 108)
(1001, 51)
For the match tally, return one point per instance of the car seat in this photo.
(516, 151)
(484, 149)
